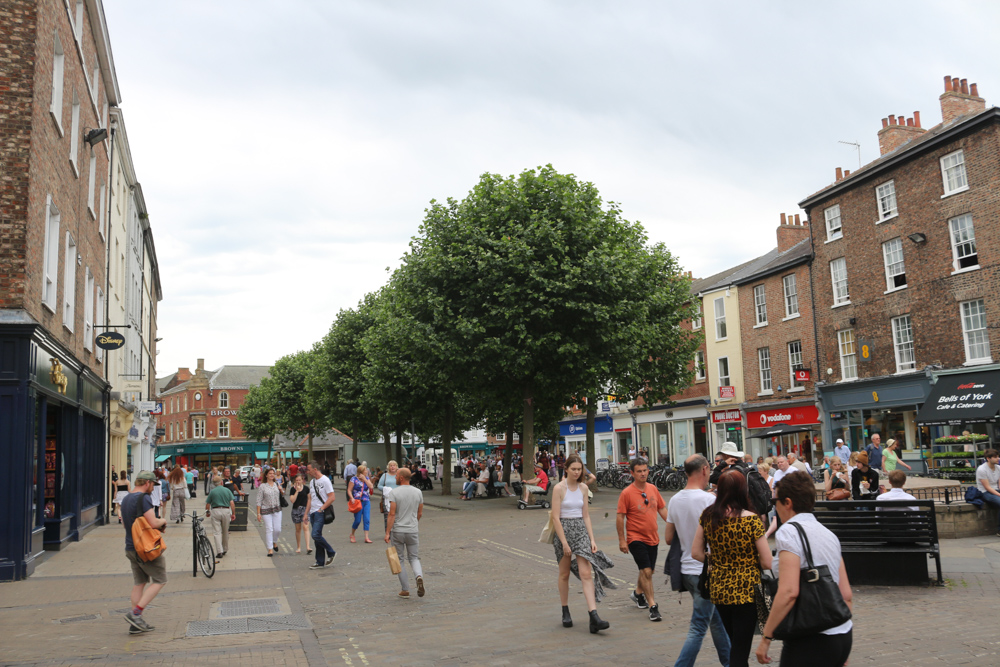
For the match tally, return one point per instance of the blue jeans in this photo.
(322, 547)
(992, 500)
(365, 513)
(703, 615)
(469, 489)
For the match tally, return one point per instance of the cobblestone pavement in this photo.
(491, 600)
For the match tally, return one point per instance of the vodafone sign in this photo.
(797, 416)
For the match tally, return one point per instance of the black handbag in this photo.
(281, 500)
(328, 515)
(704, 585)
(819, 606)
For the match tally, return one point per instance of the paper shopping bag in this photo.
(393, 560)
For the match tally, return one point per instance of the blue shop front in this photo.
(573, 433)
(52, 434)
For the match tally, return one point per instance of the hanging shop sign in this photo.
(802, 375)
(109, 340)
(723, 416)
(966, 398)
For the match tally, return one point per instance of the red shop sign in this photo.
(802, 375)
(723, 416)
(797, 416)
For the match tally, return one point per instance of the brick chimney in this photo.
(201, 364)
(183, 375)
(791, 231)
(959, 99)
(897, 131)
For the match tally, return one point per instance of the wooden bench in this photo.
(884, 542)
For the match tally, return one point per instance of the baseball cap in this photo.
(840, 441)
(145, 475)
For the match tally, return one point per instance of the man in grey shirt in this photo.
(406, 507)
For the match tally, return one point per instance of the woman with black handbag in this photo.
(811, 611)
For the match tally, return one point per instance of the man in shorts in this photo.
(147, 577)
(638, 506)
(538, 484)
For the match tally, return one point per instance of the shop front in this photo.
(960, 417)
(672, 433)
(727, 426)
(786, 429)
(574, 435)
(52, 433)
(855, 411)
(205, 455)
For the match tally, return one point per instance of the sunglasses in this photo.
(644, 498)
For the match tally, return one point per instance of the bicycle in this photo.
(204, 552)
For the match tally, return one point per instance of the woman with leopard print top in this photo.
(734, 535)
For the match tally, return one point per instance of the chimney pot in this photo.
(201, 364)
(974, 90)
(964, 83)
(947, 83)
(840, 175)
(782, 218)
(885, 122)
(797, 219)
(916, 117)
(955, 84)
(847, 172)
(892, 119)
(909, 122)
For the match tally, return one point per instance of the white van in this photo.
(426, 457)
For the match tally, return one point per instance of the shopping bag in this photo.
(393, 557)
(548, 535)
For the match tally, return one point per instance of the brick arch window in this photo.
(223, 428)
(223, 399)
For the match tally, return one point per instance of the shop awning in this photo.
(780, 429)
(967, 398)
(162, 457)
(260, 454)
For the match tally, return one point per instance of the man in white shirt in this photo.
(683, 514)
(794, 462)
(321, 496)
(842, 451)
(782, 469)
(988, 480)
(897, 479)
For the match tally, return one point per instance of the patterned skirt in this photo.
(579, 545)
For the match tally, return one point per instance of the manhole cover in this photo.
(232, 608)
(74, 619)
(233, 626)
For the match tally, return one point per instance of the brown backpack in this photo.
(148, 541)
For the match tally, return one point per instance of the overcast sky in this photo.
(287, 149)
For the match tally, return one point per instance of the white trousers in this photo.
(272, 528)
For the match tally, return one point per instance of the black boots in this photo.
(596, 623)
(567, 620)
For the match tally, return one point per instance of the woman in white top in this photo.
(574, 536)
(386, 483)
(831, 647)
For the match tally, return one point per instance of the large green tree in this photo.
(293, 412)
(257, 414)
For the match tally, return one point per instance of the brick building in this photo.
(59, 83)
(779, 348)
(905, 272)
(199, 419)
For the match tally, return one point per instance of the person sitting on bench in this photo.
(897, 478)
(538, 484)
(864, 480)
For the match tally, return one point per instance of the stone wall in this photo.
(965, 520)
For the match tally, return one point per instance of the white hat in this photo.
(839, 441)
(729, 449)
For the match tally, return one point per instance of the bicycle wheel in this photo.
(206, 556)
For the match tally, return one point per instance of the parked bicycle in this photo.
(203, 549)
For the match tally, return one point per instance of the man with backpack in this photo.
(757, 486)
(148, 577)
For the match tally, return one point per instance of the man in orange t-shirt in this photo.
(639, 504)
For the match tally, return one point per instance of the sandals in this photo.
(352, 539)
(367, 541)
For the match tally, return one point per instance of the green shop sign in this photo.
(213, 448)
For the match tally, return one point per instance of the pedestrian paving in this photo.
(491, 600)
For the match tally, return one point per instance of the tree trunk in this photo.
(354, 444)
(270, 442)
(399, 445)
(311, 447)
(388, 444)
(449, 414)
(528, 437)
(508, 450)
(591, 450)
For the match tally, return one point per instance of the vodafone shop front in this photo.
(789, 428)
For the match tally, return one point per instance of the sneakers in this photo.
(317, 566)
(134, 631)
(420, 587)
(639, 599)
(138, 622)
(404, 594)
(329, 559)
(654, 613)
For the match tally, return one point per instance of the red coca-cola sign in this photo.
(797, 416)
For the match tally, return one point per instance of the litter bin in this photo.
(242, 507)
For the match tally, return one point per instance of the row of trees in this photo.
(528, 295)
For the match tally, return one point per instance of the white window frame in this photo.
(78, 21)
(902, 344)
(720, 320)
(961, 237)
(69, 282)
(885, 195)
(760, 305)
(794, 362)
(91, 190)
(700, 370)
(500, 437)
(88, 310)
(848, 350)
(696, 322)
(724, 376)
(957, 169)
(892, 256)
(74, 136)
(223, 400)
(841, 292)
(791, 296)
(764, 364)
(99, 320)
(975, 332)
(50, 270)
(58, 82)
(834, 226)
(198, 427)
(100, 213)
(224, 424)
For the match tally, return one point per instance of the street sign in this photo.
(161, 432)
(109, 340)
(158, 410)
(147, 406)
